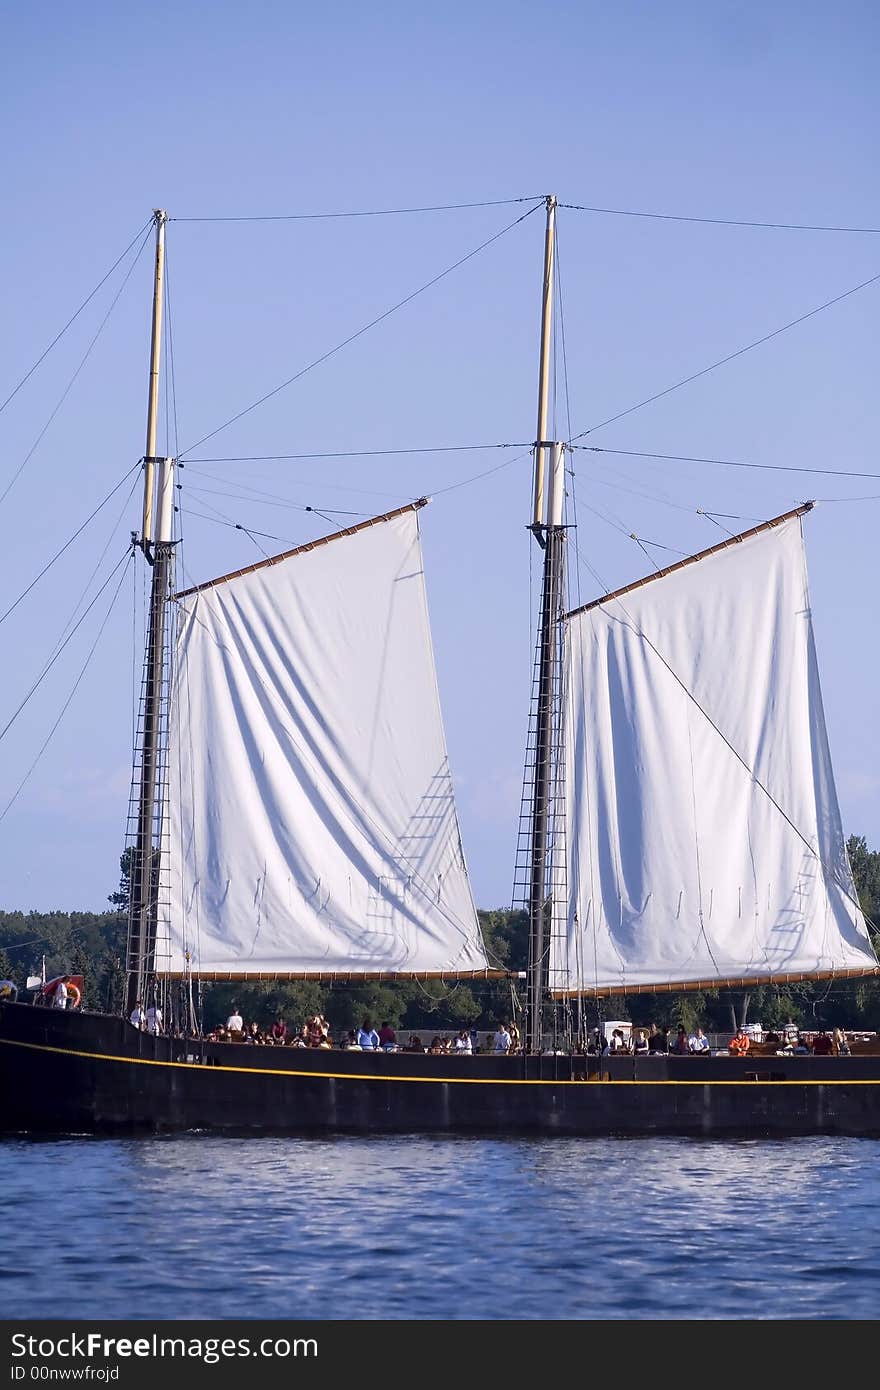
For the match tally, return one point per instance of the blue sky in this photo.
(729, 111)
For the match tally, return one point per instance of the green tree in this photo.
(121, 898)
(865, 865)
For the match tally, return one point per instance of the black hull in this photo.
(72, 1073)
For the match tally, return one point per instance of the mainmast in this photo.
(548, 531)
(155, 541)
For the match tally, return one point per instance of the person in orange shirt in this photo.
(739, 1045)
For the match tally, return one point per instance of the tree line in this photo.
(92, 944)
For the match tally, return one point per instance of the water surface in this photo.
(416, 1227)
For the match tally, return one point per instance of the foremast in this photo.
(156, 544)
(548, 530)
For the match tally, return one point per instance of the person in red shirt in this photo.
(387, 1038)
(822, 1045)
(739, 1045)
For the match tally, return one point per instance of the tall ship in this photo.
(296, 820)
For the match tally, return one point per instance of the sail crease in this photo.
(314, 826)
(737, 811)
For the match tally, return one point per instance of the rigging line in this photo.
(269, 535)
(100, 559)
(560, 306)
(21, 945)
(722, 221)
(39, 940)
(134, 645)
(247, 493)
(74, 316)
(374, 212)
(632, 536)
(274, 502)
(655, 497)
(268, 499)
(465, 482)
(640, 632)
(171, 372)
(618, 525)
(85, 357)
(51, 662)
(874, 497)
(729, 516)
(731, 356)
(241, 497)
(68, 543)
(641, 544)
(558, 271)
(710, 517)
(15, 795)
(360, 332)
(237, 526)
(355, 453)
(658, 545)
(329, 487)
(729, 463)
(232, 524)
(698, 863)
(565, 367)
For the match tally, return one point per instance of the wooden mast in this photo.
(155, 542)
(547, 528)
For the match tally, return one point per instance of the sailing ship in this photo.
(297, 820)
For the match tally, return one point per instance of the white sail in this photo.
(704, 840)
(312, 825)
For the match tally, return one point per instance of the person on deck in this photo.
(739, 1044)
(640, 1043)
(822, 1045)
(59, 997)
(501, 1041)
(463, 1045)
(387, 1038)
(698, 1043)
(137, 1018)
(840, 1045)
(279, 1030)
(368, 1038)
(317, 1030)
(658, 1040)
(235, 1022)
(680, 1045)
(154, 1020)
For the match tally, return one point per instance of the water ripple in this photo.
(442, 1228)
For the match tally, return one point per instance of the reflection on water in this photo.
(440, 1228)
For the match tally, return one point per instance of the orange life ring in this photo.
(73, 996)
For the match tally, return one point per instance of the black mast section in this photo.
(144, 870)
(543, 785)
